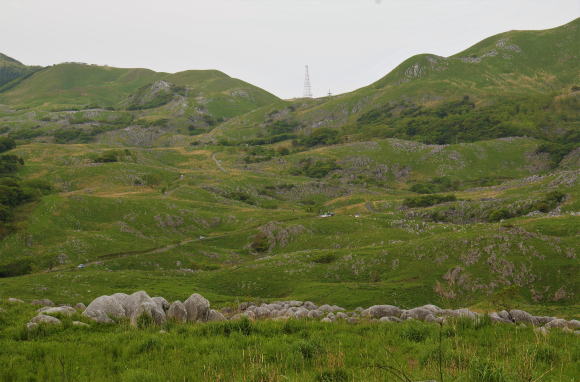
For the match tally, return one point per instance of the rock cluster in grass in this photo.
(157, 310)
(106, 309)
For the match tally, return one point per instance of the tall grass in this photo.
(280, 351)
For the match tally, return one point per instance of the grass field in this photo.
(294, 350)
(181, 218)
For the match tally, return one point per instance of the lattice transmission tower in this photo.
(307, 86)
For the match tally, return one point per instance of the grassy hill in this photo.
(204, 218)
(452, 181)
(523, 83)
(11, 71)
(83, 85)
(75, 102)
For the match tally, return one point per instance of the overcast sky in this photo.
(347, 43)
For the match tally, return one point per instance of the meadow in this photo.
(295, 350)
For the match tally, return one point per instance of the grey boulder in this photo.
(42, 319)
(148, 309)
(378, 311)
(133, 302)
(523, 317)
(215, 316)
(197, 308)
(495, 317)
(177, 312)
(557, 323)
(162, 303)
(315, 313)
(416, 314)
(103, 309)
(43, 302)
(63, 310)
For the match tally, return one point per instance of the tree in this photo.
(6, 144)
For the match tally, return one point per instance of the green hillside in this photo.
(523, 83)
(208, 218)
(451, 181)
(12, 70)
(73, 103)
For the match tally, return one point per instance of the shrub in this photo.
(17, 268)
(260, 243)
(428, 200)
(325, 259)
(9, 164)
(499, 214)
(6, 143)
(321, 136)
(107, 157)
(72, 135)
(316, 169)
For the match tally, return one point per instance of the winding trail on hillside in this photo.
(161, 249)
(218, 163)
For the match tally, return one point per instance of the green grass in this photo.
(279, 351)
(237, 219)
(143, 216)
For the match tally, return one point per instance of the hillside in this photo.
(451, 181)
(75, 102)
(526, 81)
(13, 70)
(208, 217)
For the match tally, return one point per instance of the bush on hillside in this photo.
(72, 135)
(321, 136)
(9, 164)
(428, 200)
(463, 121)
(315, 169)
(110, 156)
(14, 192)
(549, 202)
(260, 243)
(6, 144)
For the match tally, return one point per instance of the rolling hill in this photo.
(534, 72)
(12, 70)
(451, 181)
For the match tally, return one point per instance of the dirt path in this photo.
(165, 248)
(218, 163)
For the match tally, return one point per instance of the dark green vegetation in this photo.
(280, 351)
(13, 191)
(452, 181)
(12, 71)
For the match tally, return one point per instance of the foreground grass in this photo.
(282, 351)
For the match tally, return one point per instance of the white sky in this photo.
(347, 43)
